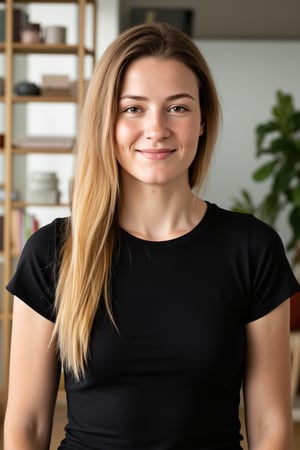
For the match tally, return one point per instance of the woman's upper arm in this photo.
(267, 376)
(33, 376)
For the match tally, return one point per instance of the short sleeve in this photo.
(34, 280)
(272, 279)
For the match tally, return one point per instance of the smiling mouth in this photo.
(156, 154)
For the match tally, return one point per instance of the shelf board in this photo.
(25, 151)
(48, 49)
(22, 151)
(18, 205)
(43, 99)
(21, 205)
(62, 49)
(50, 1)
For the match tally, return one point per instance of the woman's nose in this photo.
(156, 126)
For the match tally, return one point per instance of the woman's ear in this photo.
(201, 129)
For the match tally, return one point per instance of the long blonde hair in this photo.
(86, 255)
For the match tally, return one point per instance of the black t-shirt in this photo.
(171, 378)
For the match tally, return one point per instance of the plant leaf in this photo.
(270, 208)
(263, 129)
(296, 196)
(284, 176)
(245, 204)
(284, 111)
(285, 146)
(264, 171)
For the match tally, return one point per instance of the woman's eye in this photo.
(178, 108)
(132, 109)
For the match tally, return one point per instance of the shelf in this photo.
(20, 205)
(81, 56)
(50, 1)
(43, 99)
(62, 49)
(24, 151)
(47, 49)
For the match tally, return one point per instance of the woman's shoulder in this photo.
(52, 233)
(36, 274)
(238, 220)
(244, 228)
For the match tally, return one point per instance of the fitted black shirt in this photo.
(170, 377)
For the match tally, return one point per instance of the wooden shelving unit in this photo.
(9, 50)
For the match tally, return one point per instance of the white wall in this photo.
(247, 75)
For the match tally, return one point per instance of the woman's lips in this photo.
(156, 154)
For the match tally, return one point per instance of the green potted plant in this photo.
(278, 142)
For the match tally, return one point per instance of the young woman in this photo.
(158, 305)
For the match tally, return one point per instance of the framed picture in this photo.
(180, 18)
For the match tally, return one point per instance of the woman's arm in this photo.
(267, 381)
(33, 381)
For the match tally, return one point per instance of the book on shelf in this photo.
(20, 19)
(23, 225)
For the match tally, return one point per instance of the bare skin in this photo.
(33, 382)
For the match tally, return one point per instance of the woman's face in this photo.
(159, 121)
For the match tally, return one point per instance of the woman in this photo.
(158, 305)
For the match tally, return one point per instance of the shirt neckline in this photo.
(174, 241)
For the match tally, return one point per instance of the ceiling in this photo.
(237, 19)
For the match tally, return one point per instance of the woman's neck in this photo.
(158, 213)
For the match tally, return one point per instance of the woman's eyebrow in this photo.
(171, 97)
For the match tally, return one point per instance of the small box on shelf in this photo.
(55, 85)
